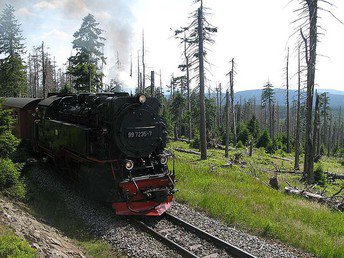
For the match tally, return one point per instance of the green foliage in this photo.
(12, 77)
(264, 140)
(10, 33)
(195, 142)
(84, 65)
(12, 246)
(65, 90)
(9, 171)
(241, 200)
(8, 144)
(319, 175)
(243, 134)
(239, 145)
(253, 127)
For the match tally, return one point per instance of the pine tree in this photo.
(268, 101)
(88, 43)
(12, 69)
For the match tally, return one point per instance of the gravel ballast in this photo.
(129, 239)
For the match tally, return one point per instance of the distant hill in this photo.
(336, 96)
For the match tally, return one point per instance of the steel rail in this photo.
(181, 250)
(231, 249)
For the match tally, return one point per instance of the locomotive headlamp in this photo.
(163, 159)
(129, 164)
(142, 99)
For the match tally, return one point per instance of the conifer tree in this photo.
(12, 69)
(84, 65)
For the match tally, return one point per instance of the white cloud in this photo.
(103, 15)
(25, 12)
(56, 33)
(49, 5)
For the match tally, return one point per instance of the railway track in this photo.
(188, 240)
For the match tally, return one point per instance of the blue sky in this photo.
(255, 33)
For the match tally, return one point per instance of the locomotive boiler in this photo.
(112, 145)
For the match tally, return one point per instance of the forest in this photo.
(295, 146)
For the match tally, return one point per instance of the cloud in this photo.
(49, 5)
(56, 33)
(103, 15)
(25, 13)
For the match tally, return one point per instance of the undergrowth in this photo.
(241, 197)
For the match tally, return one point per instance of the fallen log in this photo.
(187, 151)
(309, 195)
(281, 158)
(332, 176)
(179, 139)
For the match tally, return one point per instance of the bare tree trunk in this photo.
(188, 85)
(325, 121)
(138, 73)
(143, 64)
(311, 62)
(203, 136)
(152, 83)
(298, 122)
(43, 71)
(316, 121)
(227, 124)
(329, 137)
(288, 108)
(231, 74)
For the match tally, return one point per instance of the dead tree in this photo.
(298, 115)
(231, 81)
(143, 64)
(288, 108)
(227, 124)
(316, 127)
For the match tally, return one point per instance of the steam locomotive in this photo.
(111, 144)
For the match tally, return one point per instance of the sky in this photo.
(255, 33)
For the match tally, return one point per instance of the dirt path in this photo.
(47, 240)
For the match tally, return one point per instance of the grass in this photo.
(13, 246)
(244, 200)
(50, 206)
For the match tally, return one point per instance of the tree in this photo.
(10, 34)
(298, 115)
(288, 107)
(12, 69)
(12, 77)
(253, 127)
(177, 107)
(88, 43)
(268, 101)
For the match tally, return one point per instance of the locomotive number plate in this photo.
(140, 134)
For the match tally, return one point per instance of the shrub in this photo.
(14, 246)
(239, 145)
(319, 176)
(9, 174)
(8, 144)
(264, 140)
(195, 142)
(243, 134)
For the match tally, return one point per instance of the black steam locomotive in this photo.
(112, 144)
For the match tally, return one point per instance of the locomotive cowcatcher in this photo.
(111, 144)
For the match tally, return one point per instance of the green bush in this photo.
(8, 144)
(243, 134)
(264, 140)
(319, 175)
(195, 142)
(13, 246)
(239, 145)
(10, 179)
